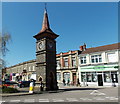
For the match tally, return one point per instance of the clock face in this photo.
(50, 44)
(40, 45)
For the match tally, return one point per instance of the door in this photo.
(66, 76)
(51, 81)
(100, 80)
(74, 78)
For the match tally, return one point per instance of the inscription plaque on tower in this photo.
(46, 55)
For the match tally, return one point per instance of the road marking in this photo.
(58, 100)
(44, 100)
(98, 98)
(96, 92)
(72, 99)
(85, 99)
(113, 98)
(1, 102)
(29, 100)
(101, 94)
(14, 100)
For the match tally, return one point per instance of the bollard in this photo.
(31, 87)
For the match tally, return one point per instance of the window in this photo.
(59, 76)
(112, 57)
(58, 63)
(83, 60)
(107, 77)
(33, 68)
(94, 77)
(83, 77)
(89, 77)
(96, 58)
(29, 68)
(66, 62)
(66, 76)
(114, 77)
(73, 61)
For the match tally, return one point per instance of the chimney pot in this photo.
(81, 48)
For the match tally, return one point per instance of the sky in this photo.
(76, 23)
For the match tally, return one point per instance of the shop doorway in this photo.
(100, 80)
(74, 78)
(66, 76)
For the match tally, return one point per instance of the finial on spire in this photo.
(45, 7)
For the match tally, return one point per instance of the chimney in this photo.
(81, 48)
(84, 47)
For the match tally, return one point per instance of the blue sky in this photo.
(93, 23)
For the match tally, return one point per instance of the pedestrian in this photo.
(68, 82)
(64, 82)
(78, 83)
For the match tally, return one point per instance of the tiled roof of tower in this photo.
(45, 24)
(102, 48)
(46, 27)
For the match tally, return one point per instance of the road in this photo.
(105, 94)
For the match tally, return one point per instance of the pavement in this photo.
(25, 91)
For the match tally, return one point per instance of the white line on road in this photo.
(72, 99)
(1, 102)
(86, 99)
(44, 100)
(29, 100)
(14, 100)
(96, 92)
(98, 98)
(58, 100)
(113, 98)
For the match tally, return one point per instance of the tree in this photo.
(5, 37)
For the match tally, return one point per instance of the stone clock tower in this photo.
(46, 55)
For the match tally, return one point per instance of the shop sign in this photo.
(100, 67)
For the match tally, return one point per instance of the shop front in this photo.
(102, 75)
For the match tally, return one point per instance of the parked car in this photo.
(10, 84)
(22, 84)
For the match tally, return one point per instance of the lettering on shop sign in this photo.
(100, 67)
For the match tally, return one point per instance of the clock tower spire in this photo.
(46, 55)
(46, 27)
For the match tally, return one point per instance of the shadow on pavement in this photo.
(74, 89)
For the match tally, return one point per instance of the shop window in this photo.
(89, 76)
(96, 58)
(83, 60)
(73, 61)
(94, 77)
(58, 76)
(66, 62)
(107, 77)
(66, 76)
(83, 77)
(114, 77)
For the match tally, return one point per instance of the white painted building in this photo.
(98, 66)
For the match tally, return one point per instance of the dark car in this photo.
(10, 84)
(22, 84)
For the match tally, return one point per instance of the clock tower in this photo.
(46, 55)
